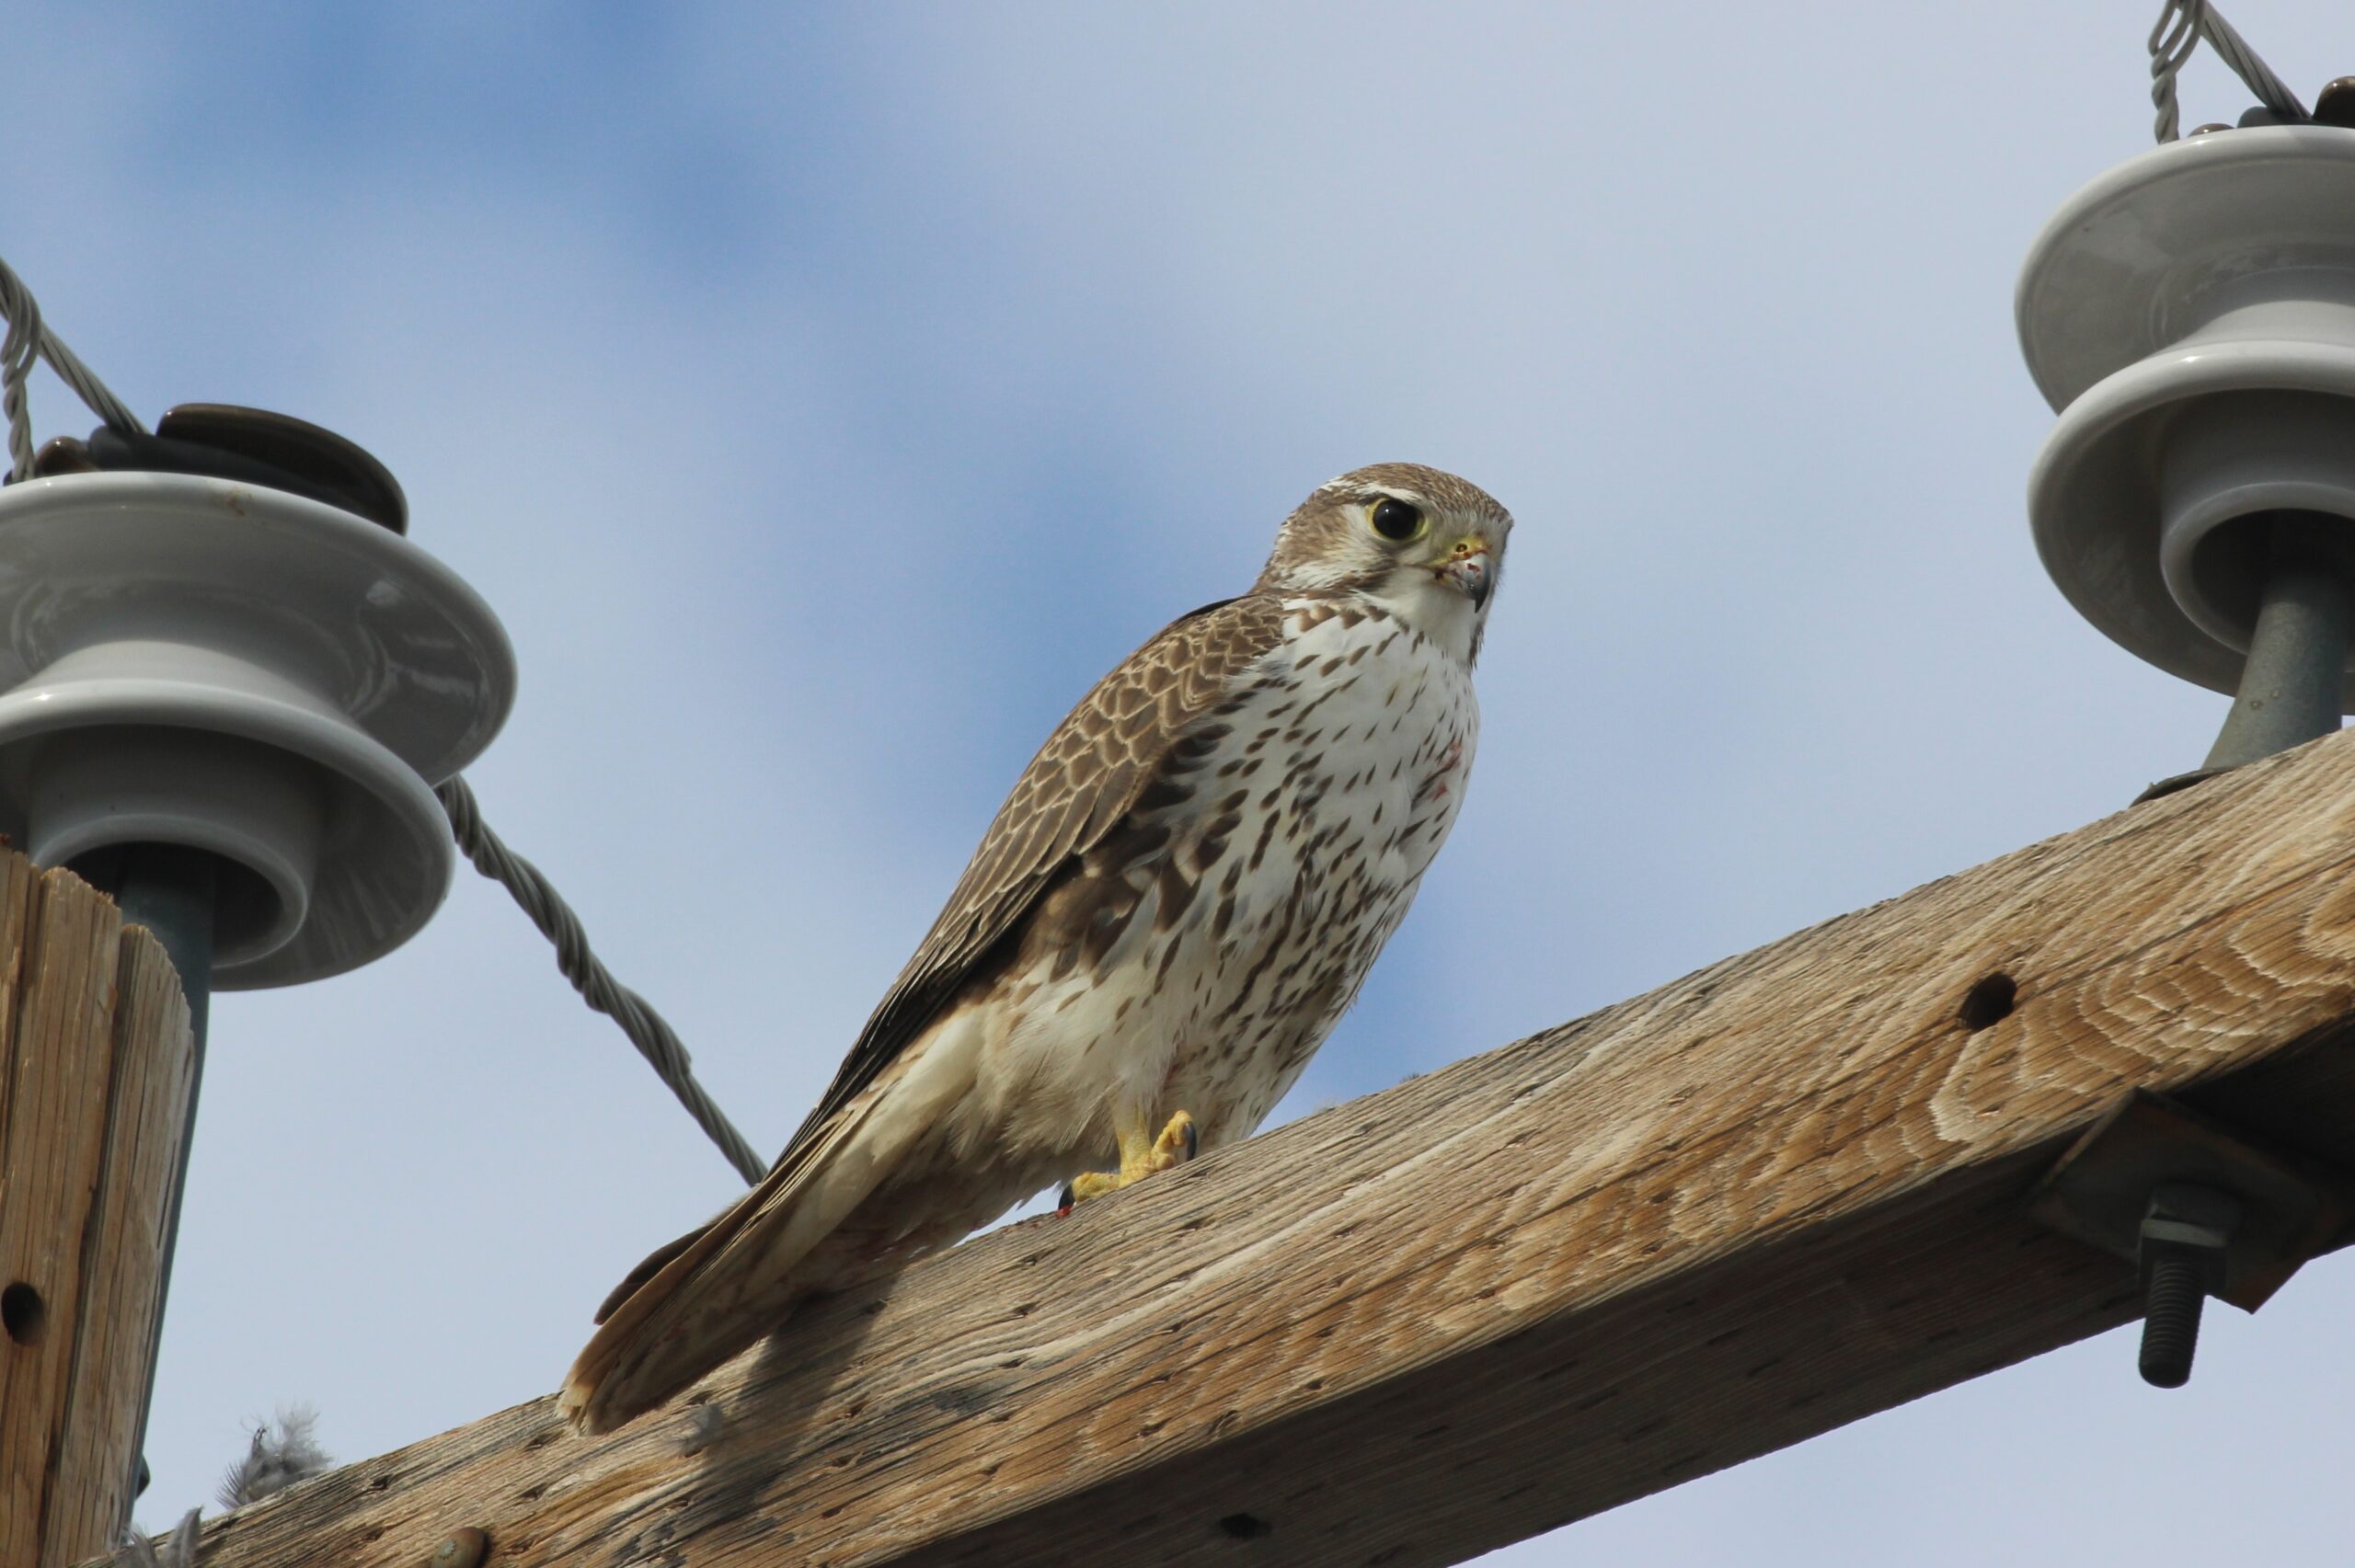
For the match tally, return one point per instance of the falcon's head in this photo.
(1427, 546)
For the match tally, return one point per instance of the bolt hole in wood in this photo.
(22, 1312)
(1245, 1527)
(1989, 1002)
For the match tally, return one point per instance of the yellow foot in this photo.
(1138, 1161)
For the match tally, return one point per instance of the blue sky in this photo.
(823, 399)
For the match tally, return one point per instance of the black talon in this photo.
(1068, 1201)
(1193, 1140)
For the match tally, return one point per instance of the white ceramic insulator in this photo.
(2234, 457)
(190, 661)
(263, 812)
(2191, 315)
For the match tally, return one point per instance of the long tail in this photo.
(712, 1293)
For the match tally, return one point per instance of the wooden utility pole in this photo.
(1776, 1195)
(95, 1071)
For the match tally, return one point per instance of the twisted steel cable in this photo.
(2182, 25)
(29, 340)
(2235, 52)
(654, 1038)
(17, 352)
(2173, 37)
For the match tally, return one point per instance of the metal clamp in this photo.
(2198, 1208)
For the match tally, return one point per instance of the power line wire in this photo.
(2182, 25)
(27, 340)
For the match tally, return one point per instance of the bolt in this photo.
(2171, 1315)
(462, 1548)
(2186, 1232)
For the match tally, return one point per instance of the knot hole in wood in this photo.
(22, 1312)
(1990, 1001)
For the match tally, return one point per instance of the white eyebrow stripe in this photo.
(1364, 492)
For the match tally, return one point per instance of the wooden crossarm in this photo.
(98, 1064)
(1776, 1195)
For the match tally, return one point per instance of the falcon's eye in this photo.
(1397, 521)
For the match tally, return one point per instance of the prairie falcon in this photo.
(1180, 899)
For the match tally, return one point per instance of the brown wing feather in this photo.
(717, 1289)
(1084, 780)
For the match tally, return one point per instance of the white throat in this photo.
(1437, 610)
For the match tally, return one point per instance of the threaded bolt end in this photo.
(2171, 1317)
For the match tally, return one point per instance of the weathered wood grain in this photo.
(1771, 1197)
(94, 1056)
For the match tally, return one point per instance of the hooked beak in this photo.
(1466, 567)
